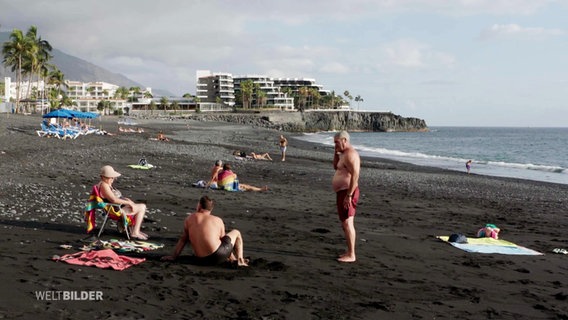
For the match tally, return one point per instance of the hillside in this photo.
(80, 70)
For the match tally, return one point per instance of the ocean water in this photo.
(539, 154)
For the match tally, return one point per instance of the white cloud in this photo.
(407, 53)
(335, 67)
(504, 31)
(398, 53)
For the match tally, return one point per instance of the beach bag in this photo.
(234, 186)
(457, 238)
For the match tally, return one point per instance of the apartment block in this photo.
(215, 87)
(277, 92)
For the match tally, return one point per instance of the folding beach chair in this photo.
(110, 210)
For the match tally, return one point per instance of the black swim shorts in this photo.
(220, 255)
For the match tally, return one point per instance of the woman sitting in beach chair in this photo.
(134, 211)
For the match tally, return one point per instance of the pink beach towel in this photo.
(101, 259)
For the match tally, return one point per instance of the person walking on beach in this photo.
(468, 166)
(283, 144)
(206, 235)
(345, 183)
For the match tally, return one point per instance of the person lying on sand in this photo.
(259, 156)
(162, 137)
(206, 235)
(227, 180)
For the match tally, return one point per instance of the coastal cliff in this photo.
(314, 121)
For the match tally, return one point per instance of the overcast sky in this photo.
(450, 62)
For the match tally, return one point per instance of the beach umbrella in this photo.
(59, 113)
(83, 115)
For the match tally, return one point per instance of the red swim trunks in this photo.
(343, 213)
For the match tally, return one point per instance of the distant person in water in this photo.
(468, 166)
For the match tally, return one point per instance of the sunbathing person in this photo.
(258, 156)
(227, 180)
(206, 235)
(162, 137)
(128, 207)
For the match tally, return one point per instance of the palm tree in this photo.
(134, 92)
(152, 106)
(175, 106)
(247, 89)
(66, 101)
(14, 52)
(57, 79)
(358, 99)
(103, 105)
(303, 93)
(315, 96)
(121, 93)
(333, 98)
(348, 96)
(260, 98)
(164, 102)
(37, 57)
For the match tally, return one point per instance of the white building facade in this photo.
(85, 95)
(277, 92)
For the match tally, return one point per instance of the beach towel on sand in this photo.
(141, 167)
(490, 245)
(101, 259)
(123, 245)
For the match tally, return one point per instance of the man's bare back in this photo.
(205, 233)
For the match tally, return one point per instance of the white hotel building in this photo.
(85, 95)
(224, 88)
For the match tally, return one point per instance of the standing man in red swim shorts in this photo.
(346, 163)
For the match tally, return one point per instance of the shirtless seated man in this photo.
(206, 235)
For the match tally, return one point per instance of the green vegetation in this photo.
(28, 55)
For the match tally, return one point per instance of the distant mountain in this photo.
(76, 69)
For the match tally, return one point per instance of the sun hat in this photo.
(108, 172)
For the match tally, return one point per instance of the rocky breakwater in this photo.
(314, 121)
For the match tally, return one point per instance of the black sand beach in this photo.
(291, 233)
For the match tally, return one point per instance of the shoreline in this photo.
(291, 233)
